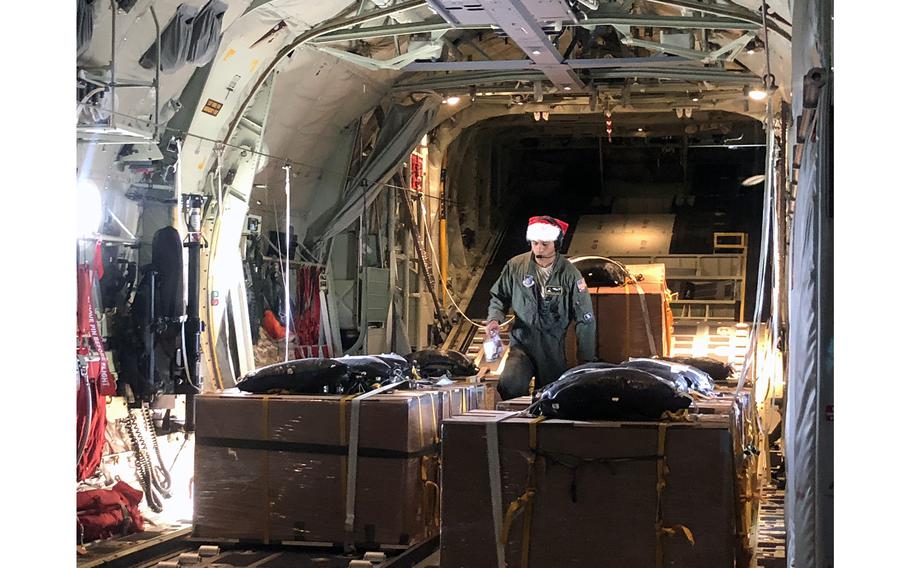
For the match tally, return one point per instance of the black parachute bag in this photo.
(365, 372)
(610, 394)
(273, 291)
(588, 367)
(175, 41)
(368, 372)
(167, 260)
(697, 379)
(135, 350)
(662, 371)
(438, 362)
(717, 370)
(316, 375)
(254, 278)
(206, 34)
(601, 271)
(85, 25)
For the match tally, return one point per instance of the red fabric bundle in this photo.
(100, 379)
(103, 513)
(94, 445)
(308, 306)
(272, 326)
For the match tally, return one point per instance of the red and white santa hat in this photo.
(546, 228)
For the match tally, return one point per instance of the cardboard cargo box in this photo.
(606, 494)
(491, 394)
(744, 429)
(273, 468)
(515, 404)
(621, 329)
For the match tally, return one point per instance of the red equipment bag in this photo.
(272, 326)
(103, 513)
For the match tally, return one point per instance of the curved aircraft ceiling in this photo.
(677, 60)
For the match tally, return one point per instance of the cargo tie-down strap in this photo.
(351, 486)
(524, 504)
(647, 317)
(496, 482)
(662, 471)
(429, 490)
(265, 471)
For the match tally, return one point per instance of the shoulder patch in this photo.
(582, 285)
(588, 317)
(528, 281)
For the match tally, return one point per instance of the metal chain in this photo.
(142, 464)
(143, 467)
(165, 482)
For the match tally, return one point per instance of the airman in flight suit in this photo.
(546, 292)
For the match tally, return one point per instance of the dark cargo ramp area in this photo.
(568, 168)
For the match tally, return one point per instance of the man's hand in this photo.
(492, 328)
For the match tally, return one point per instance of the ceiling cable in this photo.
(287, 258)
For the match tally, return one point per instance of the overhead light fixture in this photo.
(753, 180)
(694, 99)
(751, 52)
(567, 88)
(453, 100)
(641, 129)
(488, 93)
(535, 52)
(758, 94)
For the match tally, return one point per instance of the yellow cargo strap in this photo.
(436, 461)
(429, 490)
(662, 471)
(675, 529)
(678, 416)
(420, 437)
(434, 417)
(493, 470)
(525, 503)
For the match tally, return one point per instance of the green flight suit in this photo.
(538, 334)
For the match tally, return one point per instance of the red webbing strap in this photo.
(106, 384)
